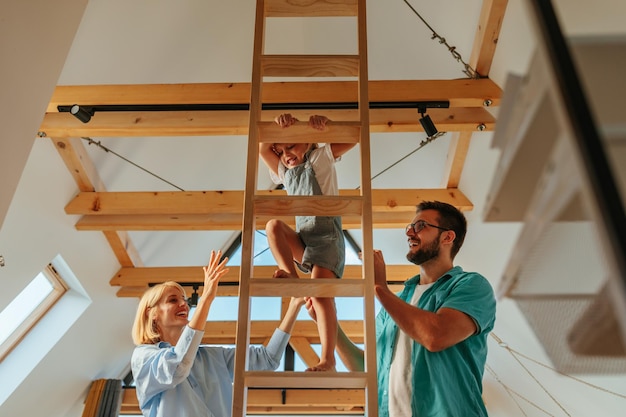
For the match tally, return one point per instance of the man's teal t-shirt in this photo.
(446, 383)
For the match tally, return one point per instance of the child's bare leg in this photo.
(285, 245)
(326, 314)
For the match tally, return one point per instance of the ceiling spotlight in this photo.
(193, 299)
(427, 123)
(82, 113)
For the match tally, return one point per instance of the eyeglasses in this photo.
(419, 225)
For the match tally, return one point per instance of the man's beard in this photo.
(426, 253)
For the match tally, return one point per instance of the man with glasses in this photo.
(431, 338)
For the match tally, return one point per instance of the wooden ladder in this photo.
(262, 206)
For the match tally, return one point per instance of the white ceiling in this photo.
(187, 41)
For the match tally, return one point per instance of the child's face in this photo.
(291, 154)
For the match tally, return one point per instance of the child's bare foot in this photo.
(322, 367)
(281, 273)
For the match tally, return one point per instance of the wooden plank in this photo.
(367, 221)
(291, 401)
(309, 205)
(391, 209)
(123, 248)
(224, 332)
(311, 8)
(301, 132)
(146, 276)
(307, 397)
(230, 202)
(460, 93)
(158, 202)
(264, 379)
(147, 222)
(79, 164)
(455, 161)
(231, 122)
(86, 176)
(487, 34)
(222, 291)
(302, 346)
(294, 287)
(310, 65)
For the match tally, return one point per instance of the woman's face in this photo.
(171, 310)
(291, 154)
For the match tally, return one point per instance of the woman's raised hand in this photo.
(212, 274)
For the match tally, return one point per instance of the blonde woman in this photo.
(174, 374)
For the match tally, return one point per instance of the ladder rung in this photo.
(306, 287)
(315, 8)
(309, 205)
(288, 379)
(301, 132)
(310, 65)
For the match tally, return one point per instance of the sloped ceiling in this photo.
(146, 42)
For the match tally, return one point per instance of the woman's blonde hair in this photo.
(144, 327)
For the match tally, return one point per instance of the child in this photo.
(317, 244)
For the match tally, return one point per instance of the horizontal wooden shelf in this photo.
(265, 379)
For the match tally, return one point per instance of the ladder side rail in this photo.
(369, 321)
(239, 406)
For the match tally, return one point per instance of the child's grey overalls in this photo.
(322, 235)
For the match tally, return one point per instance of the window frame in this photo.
(59, 288)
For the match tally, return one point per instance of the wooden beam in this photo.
(485, 41)
(229, 202)
(222, 291)
(302, 346)
(235, 123)
(455, 161)
(85, 174)
(146, 276)
(279, 401)
(222, 210)
(224, 332)
(460, 93)
(487, 34)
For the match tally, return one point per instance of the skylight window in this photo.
(30, 305)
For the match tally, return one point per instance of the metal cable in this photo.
(467, 69)
(101, 146)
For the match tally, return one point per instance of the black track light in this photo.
(82, 113)
(427, 123)
(193, 299)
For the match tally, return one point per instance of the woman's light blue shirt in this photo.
(189, 380)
